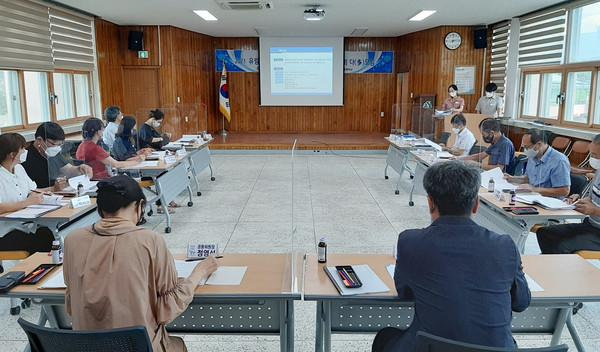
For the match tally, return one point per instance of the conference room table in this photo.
(170, 179)
(199, 159)
(262, 304)
(566, 279)
(398, 156)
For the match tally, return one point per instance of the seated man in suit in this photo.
(501, 151)
(570, 238)
(464, 279)
(548, 170)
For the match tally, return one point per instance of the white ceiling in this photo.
(384, 18)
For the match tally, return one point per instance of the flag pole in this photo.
(224, 133)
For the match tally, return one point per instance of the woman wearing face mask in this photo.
(96, 157)
(149, 136)
(464, 138)
(115, 259)
(491, 104)
(125, 145)
(455, 103)
(18, 191)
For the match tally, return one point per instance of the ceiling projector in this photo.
(314, 14)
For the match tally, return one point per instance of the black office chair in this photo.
(517, 165)
(431, 343)
(43, 339)
(578, 184)
(444, 138)
(476, 149)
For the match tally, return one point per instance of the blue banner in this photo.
(369, 62)
(237, 60)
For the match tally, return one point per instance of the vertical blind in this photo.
(542, 37)
(25, 36)
(41, 38)
(499, 55)
(72, 41)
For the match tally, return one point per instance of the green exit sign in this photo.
(143, 54)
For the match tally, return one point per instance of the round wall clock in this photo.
(452, 40)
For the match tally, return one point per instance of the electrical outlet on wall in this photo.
(179, 99)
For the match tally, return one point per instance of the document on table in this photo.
(227, 276)
(499, 181)
(533, 286)
(88, 186)
(444, 155)
(371, 283)
(184, 269)
(391, 269)
(56, 281)
(33, 211)
(545, 202)
(147, 164)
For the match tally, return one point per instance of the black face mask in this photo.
(142, 219)
(489, 138)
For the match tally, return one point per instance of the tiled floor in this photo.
(255, 204)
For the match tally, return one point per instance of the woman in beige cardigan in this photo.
(119, 274)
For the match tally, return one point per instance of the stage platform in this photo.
(306, 141)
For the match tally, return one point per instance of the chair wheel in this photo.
(412, 176)
(397, 192)
(168, 229)
(15, 310)
(190, 204)
(199, 193)
(411, 203)
(577, 308)
(150, 212)
(212, 178)
(386, 177)
(1, 269)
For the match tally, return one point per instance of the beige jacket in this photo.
(122, 275)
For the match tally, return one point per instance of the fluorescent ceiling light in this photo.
(422, 15)
(207, 16)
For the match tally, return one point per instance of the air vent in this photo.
(245, 5)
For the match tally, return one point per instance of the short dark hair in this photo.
(453, 186)
(118, 192)
(453, 86)
(490, 124)
(50, 130)
(458, 119)
(111, 113)
(125, 127)
(491, 87)
(10, 143)
(90, 127)
(156, 114)
(596, 139)
(537, 135)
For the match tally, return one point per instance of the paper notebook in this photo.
(56, 281)
(499, 181)
(225, 275)
(33, 211)
(371, 283)
(544, 202)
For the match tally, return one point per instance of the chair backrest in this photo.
(444, 138)
(431, 343)
(517, 165)
(561, 144)
(476, 149)
(579, 153)
(43, 339)
(578, 184)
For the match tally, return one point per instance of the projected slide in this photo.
(301, 70)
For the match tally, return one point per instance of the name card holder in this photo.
(498, 195)
(201, 251)
(81, 202)
(170, 159)
(181, 152)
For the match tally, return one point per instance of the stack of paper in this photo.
(371, 283)
(225, 275)
(147, 164)
(545, 202)
(499, 181)
(56, 281)
(88, 186)
(33, 211)
(443, 112)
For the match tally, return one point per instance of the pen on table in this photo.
(344, 279)
(350, 277)
(196, 259)
(34, 274)
(41, 275)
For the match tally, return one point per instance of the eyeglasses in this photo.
(53, 143)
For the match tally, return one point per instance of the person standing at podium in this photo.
(492, 104)
(455, 103)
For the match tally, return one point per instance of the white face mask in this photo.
(595, 163)
(155, 124)
(531, 153)
(23, 156)
(455, 130)
(53, 151)
(489, 94)
(452, 94)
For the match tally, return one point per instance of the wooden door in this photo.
(140, 92)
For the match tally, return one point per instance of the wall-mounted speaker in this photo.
(135, 40)
(480, 38)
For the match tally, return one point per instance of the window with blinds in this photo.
(24, 36)
(542, 38)
(72, 41)
(499, 55)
